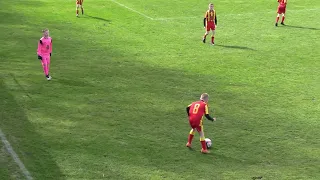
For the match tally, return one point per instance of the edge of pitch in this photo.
(15, 157)
(194, 17)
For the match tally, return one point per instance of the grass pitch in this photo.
(125, 71)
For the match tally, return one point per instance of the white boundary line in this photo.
(243, 14)
(146, 16)
(15, 156)
(194, 17)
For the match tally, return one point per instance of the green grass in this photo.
(115, 108)
(8, 168)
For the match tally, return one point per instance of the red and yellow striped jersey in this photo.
(282, 2)
(79, 2)
(197, 110)
(210, 15)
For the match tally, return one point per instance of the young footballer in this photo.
(195, 112)
(281, 11)
(44, 52)
(79, 4)
(210, 22)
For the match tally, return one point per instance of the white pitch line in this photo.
(227, 15)
(174, 18)
(194, 17)
(15, 156)
(146, 16)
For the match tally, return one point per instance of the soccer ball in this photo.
(208, 142)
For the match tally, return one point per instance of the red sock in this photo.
(77, 11)
(282, 19)
(205, 36)
(203, 144)
(277, 19)
(190, 138)
(212, 39)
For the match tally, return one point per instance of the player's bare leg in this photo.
(82, 12)
(277, 19)
(212, 37)
(77, 10)
(191, 135)
(282, 20)
(203, 143)
(205, 36)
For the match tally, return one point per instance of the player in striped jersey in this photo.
(210, 22)
(281, 11)
(79, 4)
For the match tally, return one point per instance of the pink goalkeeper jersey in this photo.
(44, 46)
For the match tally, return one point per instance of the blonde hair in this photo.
(204, 96)
(44, 30)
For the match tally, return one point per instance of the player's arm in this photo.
(206, 114)
(188, 109)
(209, 117)
(205, 19)
(50, 47)
(39, 49)
(216, 20)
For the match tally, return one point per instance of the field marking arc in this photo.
(194, 17)
(15, 157)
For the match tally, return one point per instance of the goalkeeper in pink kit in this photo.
(44, 52)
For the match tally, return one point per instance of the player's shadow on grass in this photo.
(31, 146)
(72, 82)
(20, 86)
(98, 18)
(236, 47)
(301, 27)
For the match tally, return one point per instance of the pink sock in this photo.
(44, 63)
(44, 67)
(48, 65)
